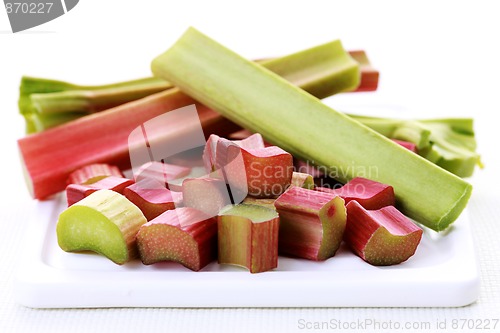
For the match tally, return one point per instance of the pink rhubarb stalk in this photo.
(215, 152)
(183, 235)
(311, 223)
(381, 237)
(264, 173)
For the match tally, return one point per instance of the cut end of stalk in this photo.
(455, 211)
(104, 222)
(208, 195)
(381, 237)
(184, 235)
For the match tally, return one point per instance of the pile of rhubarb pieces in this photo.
(243, 201)
(249, 207)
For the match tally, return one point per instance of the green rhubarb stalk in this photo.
(287, 116)
(90, 101)
(339, 72)
(449, 142)
(399, 129)
(47, 103)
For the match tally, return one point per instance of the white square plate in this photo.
(443, 272)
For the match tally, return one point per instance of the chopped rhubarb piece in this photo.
(264, 173)
(311, 223)
(161, 172)
(408, 145)
(369, 75)
(208, 195)
(370, 194)
(248, 237)
(92, 173)
(215, 152)
(104, 222)
(183, 235)
(381, 237)
(303, 180)
(152, 197)
(76, 192)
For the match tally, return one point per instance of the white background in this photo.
(436, 59)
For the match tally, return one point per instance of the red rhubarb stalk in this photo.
(311, 223)
(263, 173)
(184, 235)
(381, 237)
